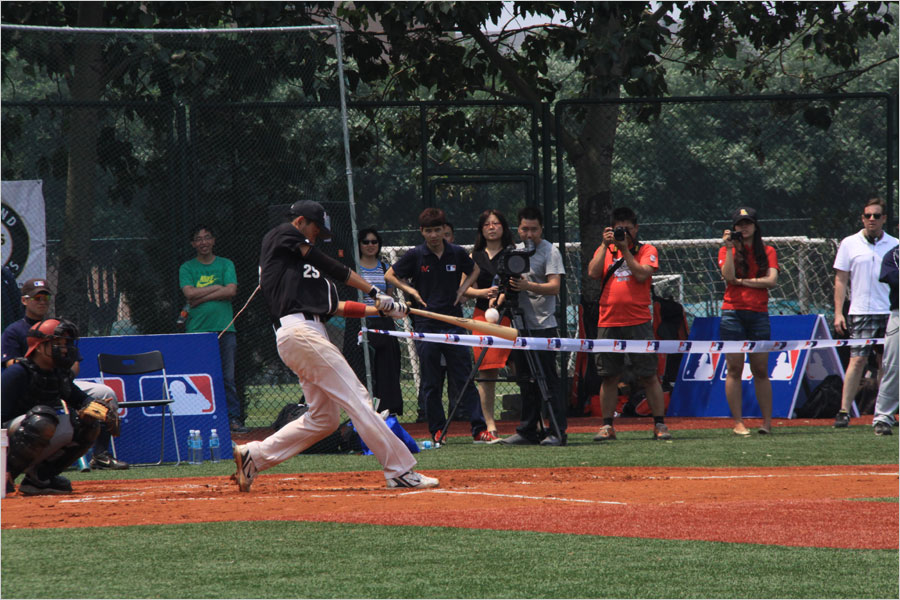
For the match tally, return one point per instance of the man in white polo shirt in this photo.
(858, 262)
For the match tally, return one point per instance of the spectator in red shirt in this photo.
(626, 269)
(750, 270)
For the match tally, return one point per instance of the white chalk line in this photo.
(138, 496)
(779, 476)
(523, 497)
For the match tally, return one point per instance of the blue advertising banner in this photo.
(194, 377)
(700, 388)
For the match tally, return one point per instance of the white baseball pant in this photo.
(329, 385)
(886, 402)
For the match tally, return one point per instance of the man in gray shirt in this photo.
(538, 289)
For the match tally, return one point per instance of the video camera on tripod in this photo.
(513, 263)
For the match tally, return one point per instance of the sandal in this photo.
(765, 431)
(741, 432)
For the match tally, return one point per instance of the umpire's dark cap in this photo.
(313, 211)
(33, 287)
(744, 213)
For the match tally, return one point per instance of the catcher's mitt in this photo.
(105, 410)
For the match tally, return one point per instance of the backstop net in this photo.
(137, 136)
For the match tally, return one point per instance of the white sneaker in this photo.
(246, 469)
(411, 479)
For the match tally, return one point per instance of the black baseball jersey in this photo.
(436, 279)
(24, 386)
(289, 283)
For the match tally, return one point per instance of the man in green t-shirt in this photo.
(209, 282)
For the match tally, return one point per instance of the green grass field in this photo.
(295, 559)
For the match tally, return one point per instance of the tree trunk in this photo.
(593, 178)
(75, 253)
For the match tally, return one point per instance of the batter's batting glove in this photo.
(384, 302)
(398, 311)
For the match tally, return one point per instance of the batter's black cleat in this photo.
(411, 479)
(246, 470)
(56, 485)
(105, 461)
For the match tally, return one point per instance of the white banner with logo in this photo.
(24, 229)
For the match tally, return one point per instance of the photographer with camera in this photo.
(750, 270)
(626, 267)
(533, 275)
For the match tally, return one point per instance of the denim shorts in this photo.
(864, 327)
(740, 325)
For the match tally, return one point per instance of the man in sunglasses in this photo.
(14, 343)
(858, 263)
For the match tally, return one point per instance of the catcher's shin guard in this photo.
(83, 437)
(30, 438)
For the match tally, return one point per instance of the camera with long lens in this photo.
(736, 237)
(619, 234)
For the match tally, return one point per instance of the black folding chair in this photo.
(140, 364)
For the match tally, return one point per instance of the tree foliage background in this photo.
(153, 138)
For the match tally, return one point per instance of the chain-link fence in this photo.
(138, 136)
(806, 163)
(227, 129)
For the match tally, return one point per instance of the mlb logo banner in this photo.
(700, 388)
(619, 345)
(194, 378)
(191, 394)
(785, 365)
(700, 367)
(117, 385)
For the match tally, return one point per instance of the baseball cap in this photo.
(313, 211)
(35, 286)
(745, 213)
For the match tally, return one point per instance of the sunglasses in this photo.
(368, 242)
(873, 215)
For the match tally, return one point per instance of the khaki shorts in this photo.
(610, 364)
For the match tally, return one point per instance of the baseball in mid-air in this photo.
(491, 315)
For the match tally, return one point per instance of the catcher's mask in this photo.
(62, 334)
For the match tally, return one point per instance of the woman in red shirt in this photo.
(750, 270)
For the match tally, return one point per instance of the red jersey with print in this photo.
(624, 300)
(741, 297)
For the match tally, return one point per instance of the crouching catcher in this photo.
(50, 421)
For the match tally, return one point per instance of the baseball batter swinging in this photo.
(297, 281)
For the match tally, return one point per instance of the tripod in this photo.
(512, 310)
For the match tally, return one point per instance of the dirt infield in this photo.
(792, 506)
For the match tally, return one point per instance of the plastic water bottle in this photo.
(213, 446)
(427, 445)
(198, 447)
(190, 447)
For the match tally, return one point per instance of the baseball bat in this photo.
(501, 331)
